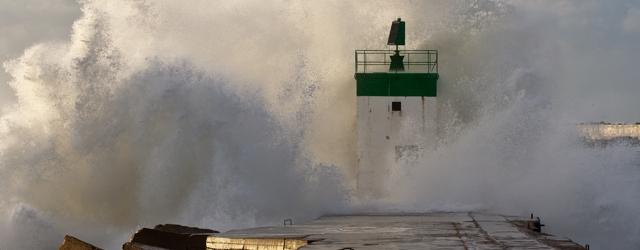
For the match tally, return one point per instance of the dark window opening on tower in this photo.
(396, 106)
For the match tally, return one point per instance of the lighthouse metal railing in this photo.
(415, 61)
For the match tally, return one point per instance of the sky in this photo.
(27, 22)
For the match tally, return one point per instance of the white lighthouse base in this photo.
(388, 138)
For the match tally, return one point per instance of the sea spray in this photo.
(233, 114)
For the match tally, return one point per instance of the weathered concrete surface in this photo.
(73, 243)
(406, 231)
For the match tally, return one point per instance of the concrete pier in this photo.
(396, 231)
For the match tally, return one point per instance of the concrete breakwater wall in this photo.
(608, 131)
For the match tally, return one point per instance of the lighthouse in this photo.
(396, 108)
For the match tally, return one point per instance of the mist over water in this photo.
(236, 114)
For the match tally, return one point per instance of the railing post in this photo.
(365, 61)
(384, 58)
(428, 61)
(436, 62)
(356, 59)
(408, 61)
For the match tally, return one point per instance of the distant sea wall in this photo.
(610, 132)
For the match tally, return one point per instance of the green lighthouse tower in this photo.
(396, 94)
